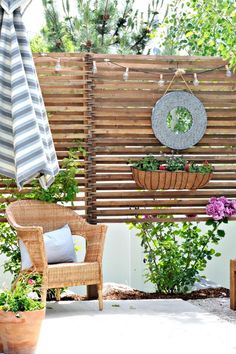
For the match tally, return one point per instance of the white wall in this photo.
(123, 259)
(218, 268)
(5, 278)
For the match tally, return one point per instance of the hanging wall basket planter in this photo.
(152, 180)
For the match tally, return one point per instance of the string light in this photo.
(195, 80)
(58, 65)
(94, 70)
(161, 82)
(228, 71)
(126, 74)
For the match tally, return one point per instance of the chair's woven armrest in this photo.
(32, 236)
(33, 240)
(95, 235)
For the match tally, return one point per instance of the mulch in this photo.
(134, 294)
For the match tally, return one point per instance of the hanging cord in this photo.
(178, 73)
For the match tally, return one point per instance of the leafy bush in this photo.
(24, 296)
(9, 247)
(201, 28)
(65, 186)
(176, 253)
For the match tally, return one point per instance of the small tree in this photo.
(202, 28)
(99, 26)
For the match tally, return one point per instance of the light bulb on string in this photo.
(195, 80)
(228, 71)
(161, 82)
(58, 65)
(107, 60)
(126, 74)
(94, 70)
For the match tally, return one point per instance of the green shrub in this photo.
(176, 253)
(24, 297)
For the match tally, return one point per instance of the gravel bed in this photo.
(217, 306)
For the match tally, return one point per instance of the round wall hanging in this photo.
(179, 120)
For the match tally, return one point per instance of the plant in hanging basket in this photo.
(21, 315)
(170, 172)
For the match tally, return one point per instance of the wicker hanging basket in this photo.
(153, 180)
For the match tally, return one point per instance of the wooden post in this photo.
(92, 291)
(233, 284)
(91, 163)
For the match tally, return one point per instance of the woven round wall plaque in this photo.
(179, 120)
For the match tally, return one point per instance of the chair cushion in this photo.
(59, 248)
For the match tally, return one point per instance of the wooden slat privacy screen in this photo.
(112, 117)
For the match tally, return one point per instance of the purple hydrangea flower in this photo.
(224, 200)
(233, 204)
(228, 211)
(212, 200)
(219, 208)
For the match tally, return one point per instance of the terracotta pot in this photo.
(153, 180)
(20, 335)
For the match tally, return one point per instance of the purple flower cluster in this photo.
(220, 208)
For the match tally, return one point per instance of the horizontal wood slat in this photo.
(122, 131)
(112, 119)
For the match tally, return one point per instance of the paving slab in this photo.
(134, 326)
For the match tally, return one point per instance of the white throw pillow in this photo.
(59, 248)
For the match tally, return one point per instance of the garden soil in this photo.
(133, 294)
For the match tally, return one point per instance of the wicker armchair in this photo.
(31, 218)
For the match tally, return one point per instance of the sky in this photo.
(34, 19)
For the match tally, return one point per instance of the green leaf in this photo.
(189, 34)
(221, 233)
(210, 222)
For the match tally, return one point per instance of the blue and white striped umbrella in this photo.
(26, 146)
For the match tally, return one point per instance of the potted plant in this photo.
(170, 172)
(21, 314)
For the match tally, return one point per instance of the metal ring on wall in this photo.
(161, 110)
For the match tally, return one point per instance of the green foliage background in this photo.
(100, 26)
(201, 27)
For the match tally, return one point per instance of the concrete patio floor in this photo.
(143, 326)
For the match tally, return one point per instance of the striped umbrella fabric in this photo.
(26, 146)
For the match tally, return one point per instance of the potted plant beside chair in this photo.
(170, 172)
(21, 314)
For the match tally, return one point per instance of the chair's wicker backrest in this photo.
(49, 216)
